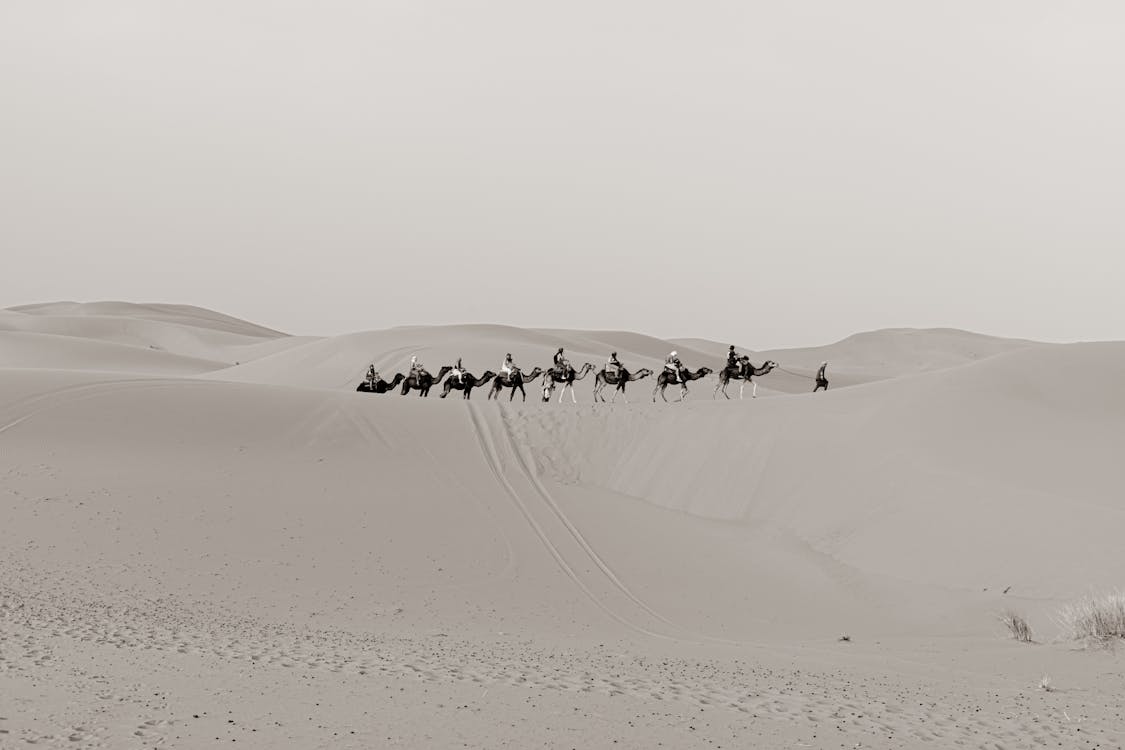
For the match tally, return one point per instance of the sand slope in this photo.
(116, 336)
(199, 552)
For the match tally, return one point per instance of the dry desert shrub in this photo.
(1096, 618)
(1016, 625)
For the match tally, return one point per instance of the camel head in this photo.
(703, 372)
(488, 375)
(644, 372)
(399, 377)
(443, 372)
(769, 365)
(533, 374)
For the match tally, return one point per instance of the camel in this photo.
(664, 379)
(468, 385)
(381, 386)
(422, 381)
(514, 381)
(603, 379)
(745, 372)
(550, 377)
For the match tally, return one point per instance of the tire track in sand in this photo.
(599, 584)
(526, 464)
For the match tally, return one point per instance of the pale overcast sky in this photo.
(770, 173)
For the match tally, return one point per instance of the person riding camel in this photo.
(613, 365)
(672, 364)
(458, 372)
(561, 363)
(509, 366)
(372, 376)
(415, 365)
(734, 362)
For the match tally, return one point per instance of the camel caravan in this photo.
(562, 376)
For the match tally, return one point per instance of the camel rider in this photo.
(561, 365)
(415, 365)
(509, 367)
(613, 366)
(458, 372)
(821, 378)
(733, 361)
(372, 377)
(672, 364)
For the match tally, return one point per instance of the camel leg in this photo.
(741, 390)
(754, 392)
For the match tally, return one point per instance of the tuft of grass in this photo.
(845, 638)
(1096, 618)
(1045, 684)
(1016, 625)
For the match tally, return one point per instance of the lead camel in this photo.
(744, 372)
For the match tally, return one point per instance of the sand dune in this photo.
(184, 315)
(200, 551)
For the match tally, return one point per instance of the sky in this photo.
(772, 174)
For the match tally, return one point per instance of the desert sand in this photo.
(210, 538)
